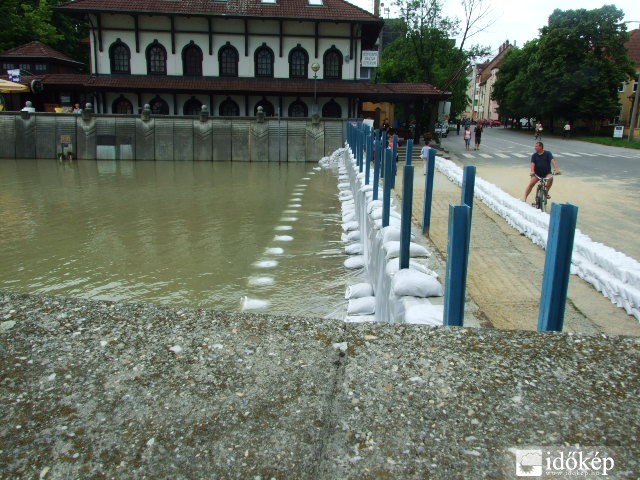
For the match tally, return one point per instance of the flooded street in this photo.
(215, 235)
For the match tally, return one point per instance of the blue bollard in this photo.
(386, 196)
(409, 151)
(428, 191)
(376, 169)
(468, 185)
(456, 274)
(557, 267)
(405, 225)
(394, 171)
(367, 170)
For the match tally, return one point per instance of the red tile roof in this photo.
(259, 86)
(36, 49)
(296, 9)
(633, 46)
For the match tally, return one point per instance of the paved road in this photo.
(505, 270)
(604, 182)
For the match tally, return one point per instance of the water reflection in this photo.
(180, 233)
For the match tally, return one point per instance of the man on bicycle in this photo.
(541, 162)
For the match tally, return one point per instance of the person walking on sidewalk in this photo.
(467, 137)
(541, 162)
(478, 132)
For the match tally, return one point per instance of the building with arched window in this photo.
(232, 57)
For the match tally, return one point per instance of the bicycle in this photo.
(542, 194)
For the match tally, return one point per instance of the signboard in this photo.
(618, 131)
(369, 58)
(14, 75)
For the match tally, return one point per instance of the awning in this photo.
(11, 87)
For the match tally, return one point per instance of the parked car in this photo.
(496, 123)
(442, 129)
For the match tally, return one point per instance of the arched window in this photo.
(332, 64)
(298, 63)
(120, 57)
(193, 106)
(156, 59)
(192, 60)
(298, 109)
(229, 108)
(159, 106)
(228, 59)
(264, 61)
(122, 106)
(267, 108)
(331, 109)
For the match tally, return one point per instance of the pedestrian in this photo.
(77, 109)
(424, 152)
(458, 127)
(567, 130)
(467, 137)
(478, 135)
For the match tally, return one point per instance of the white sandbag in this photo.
(354, 249)
(354, 236)
(350, 226)
(362, 306)
(392, 250)
(393, 266)
(423, 314)
(415, 284)
(360, 318)
(359, 290)
(354, 262)
(390, 234)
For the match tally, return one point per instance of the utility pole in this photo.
(634, 111)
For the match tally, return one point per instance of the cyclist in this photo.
(541, 162)
(538, 135)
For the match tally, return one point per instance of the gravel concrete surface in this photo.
(92, 389)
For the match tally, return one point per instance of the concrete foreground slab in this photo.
(92, 389)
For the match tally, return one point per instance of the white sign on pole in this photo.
(369, 58)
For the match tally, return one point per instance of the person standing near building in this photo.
(467, 137)
(478, 135)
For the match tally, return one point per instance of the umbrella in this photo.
(12, 87)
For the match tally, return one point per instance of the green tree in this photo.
(426, 52)
(572, 71)
(25, 21)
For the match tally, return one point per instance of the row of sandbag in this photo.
(391, 294)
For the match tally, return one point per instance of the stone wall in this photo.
(92, 136)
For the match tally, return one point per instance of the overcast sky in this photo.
(519, 21)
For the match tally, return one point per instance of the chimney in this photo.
(376, 8)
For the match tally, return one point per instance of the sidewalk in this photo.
(505, 271)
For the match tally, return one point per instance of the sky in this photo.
(518, 21)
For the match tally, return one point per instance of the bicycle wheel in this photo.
(541, 199)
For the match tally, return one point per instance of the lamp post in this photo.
(315, 66)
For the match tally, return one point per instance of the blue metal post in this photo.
(386, 197)
(376, 169)
(394, 171)
(367, 170)
(405, 224)
(409, 151)
(557, 267)
(428, 191)
(468, 185)
(383, 157)
(456, 274)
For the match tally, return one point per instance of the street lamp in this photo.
(315, 66)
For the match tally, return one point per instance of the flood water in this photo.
(226, 235)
